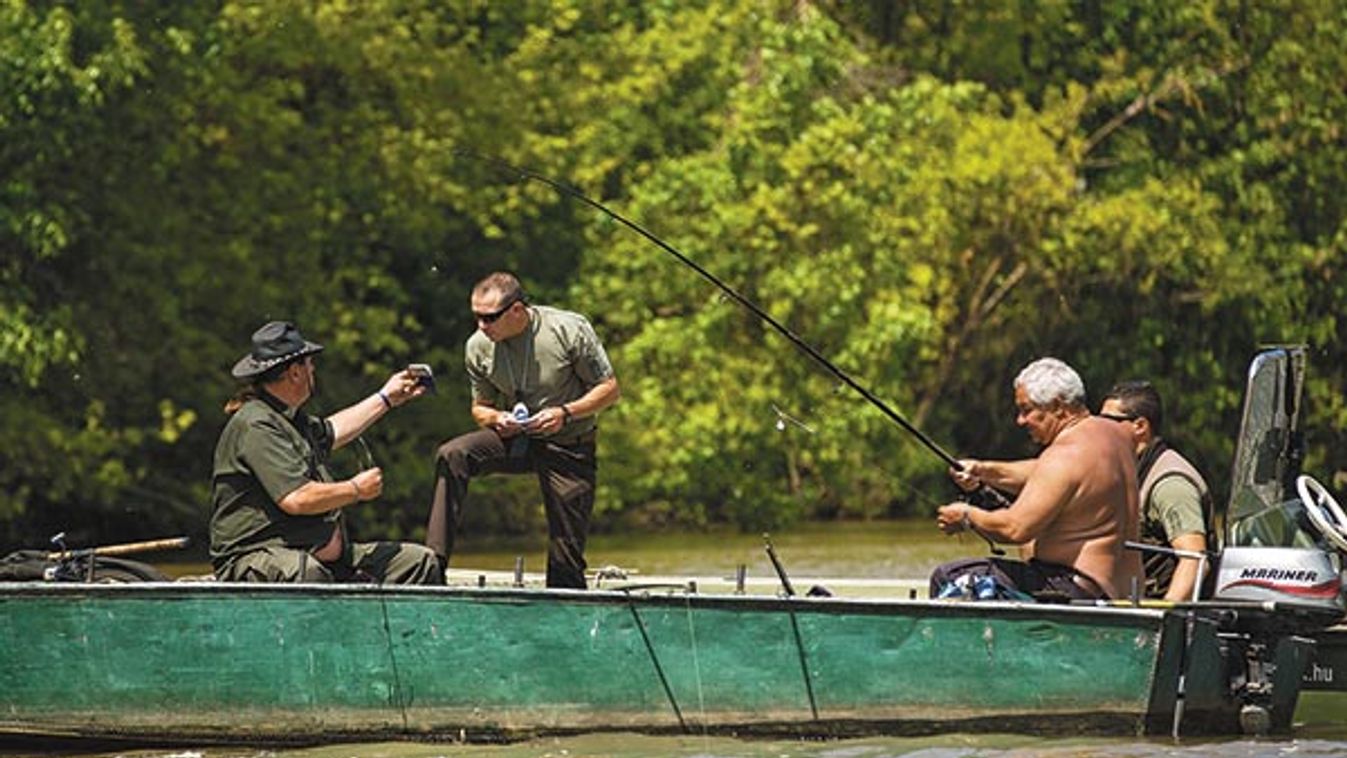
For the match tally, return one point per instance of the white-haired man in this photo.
(1075, 504)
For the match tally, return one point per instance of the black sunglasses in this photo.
(494, 316)
(1118, 417)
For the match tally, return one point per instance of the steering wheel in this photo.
(1324, 512)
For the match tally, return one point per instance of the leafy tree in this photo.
(930, 193)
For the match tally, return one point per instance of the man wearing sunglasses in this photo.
(277, 513)
(1175, 501)
(539, 377)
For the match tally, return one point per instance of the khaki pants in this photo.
(380, 562)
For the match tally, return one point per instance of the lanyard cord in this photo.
(518, 380)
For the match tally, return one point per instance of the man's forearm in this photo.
(998, 525)
(351, 421)
(599, 397)
(484, 414)
(1186, 569)
(1182, 582)
(1008, 476)
(320, 497)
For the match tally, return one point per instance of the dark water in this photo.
(621, 745)
(887, 550)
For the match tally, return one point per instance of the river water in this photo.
(814, 554)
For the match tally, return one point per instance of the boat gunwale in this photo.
(644, 597)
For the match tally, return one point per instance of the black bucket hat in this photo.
(275, 343)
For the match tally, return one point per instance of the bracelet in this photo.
(355, 487)
(967, 518)
(388, 404)
(566, 416)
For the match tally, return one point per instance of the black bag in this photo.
(24, 566)
(36, 566)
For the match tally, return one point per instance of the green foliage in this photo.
(929, 193)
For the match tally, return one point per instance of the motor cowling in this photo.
(1300, 576)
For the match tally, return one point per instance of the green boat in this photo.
(214, 662)
(207, 662)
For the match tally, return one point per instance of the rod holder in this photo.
(786, 587)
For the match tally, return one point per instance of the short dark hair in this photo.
(1140, 399)
(502, 282)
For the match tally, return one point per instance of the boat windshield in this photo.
(1283, 525)
(1264, 509)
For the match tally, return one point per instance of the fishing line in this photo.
(363, 453)
(991, 498)
(654, 660)
(804, 664)
(783, 418)
(696, 662)
(399, 698)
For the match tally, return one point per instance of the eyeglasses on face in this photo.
(494, 316)
(1118, 416)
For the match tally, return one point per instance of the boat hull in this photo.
(282, 663)
(1328, 671)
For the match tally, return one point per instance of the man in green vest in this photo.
(1175, 501)
(539, 377)
(277, 511)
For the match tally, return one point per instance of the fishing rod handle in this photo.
(170, 543)
(987, 498)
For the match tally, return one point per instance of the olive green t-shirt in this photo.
(1176, 504)
(557, 359)
(261, 457)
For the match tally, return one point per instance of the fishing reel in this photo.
(987, 498)
(983, 497)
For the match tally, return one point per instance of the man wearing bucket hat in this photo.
(277, 511)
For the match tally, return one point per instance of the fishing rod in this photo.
(990, 498)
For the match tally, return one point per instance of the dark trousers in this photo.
(1034, 577)
(566, 473)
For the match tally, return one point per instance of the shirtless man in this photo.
(1075, 504)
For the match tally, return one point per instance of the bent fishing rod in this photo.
(991, 498)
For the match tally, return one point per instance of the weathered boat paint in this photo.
(292, 663)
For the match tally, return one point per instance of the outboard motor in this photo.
(1286, 537)
(1295, 575)
(1279, 579)
(1286, 555)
